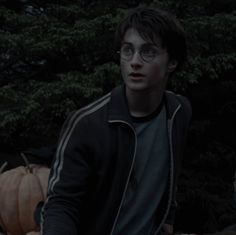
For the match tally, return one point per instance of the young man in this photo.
(117, 160)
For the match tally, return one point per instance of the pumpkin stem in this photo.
(26, 162)
(3, 166)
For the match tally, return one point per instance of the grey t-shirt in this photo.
(148, 179)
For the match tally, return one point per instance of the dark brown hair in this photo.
(154, 24)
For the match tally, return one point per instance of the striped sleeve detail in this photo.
(76, 117)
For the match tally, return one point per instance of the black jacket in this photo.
(93, 164)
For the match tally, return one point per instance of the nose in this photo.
(136, 61)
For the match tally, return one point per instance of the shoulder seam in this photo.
(74, 120)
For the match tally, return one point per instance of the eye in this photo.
(149, 51)
(126, 50)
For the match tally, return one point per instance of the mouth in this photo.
(136, 76)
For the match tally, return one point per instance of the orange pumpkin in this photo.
(21, 189)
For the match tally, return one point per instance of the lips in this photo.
(136, 76)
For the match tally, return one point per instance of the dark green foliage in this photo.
(33, 112)
(205, 192)
(51, 63)
(211, 43)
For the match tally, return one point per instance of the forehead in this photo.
(134, 37)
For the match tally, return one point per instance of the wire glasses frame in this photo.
(147, 52)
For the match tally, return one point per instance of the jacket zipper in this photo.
(170, 127)
(127, 182)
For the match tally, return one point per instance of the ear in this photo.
(172, 65)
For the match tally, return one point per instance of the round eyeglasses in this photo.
(147, 52)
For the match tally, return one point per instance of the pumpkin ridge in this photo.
(39, 182)
(18, 207)
(31, 195)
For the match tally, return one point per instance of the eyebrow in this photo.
(144, 44)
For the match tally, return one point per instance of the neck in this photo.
(143, 103)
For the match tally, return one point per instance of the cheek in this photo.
(159, 69)
(155, 70)
(123, 68)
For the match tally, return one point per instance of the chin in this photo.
(136, 86)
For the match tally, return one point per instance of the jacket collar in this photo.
(172, 104)
(118, 106)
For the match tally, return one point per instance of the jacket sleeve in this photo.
(68, 181)
(186, 116)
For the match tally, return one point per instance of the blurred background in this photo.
(57, 56)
